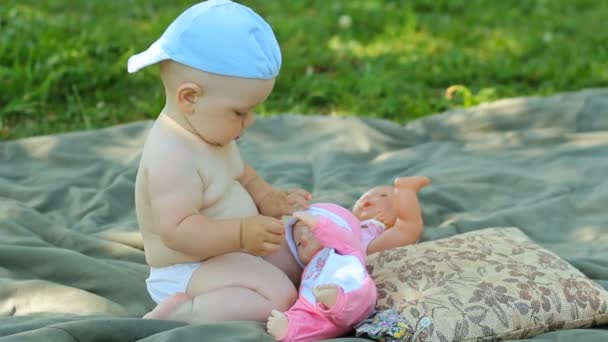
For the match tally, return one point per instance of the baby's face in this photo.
(306, 242)
(378, 203)
(224, 110)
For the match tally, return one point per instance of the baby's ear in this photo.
(187, 94)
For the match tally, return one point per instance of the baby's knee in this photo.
(283, 295)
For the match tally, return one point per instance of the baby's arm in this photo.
(257, 187)
(176, 193)
(269, 201)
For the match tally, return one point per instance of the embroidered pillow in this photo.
(483, 285)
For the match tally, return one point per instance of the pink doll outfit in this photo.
(340, 262)
(370, 230)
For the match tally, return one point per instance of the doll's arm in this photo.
(350, 308)
(402, 234)
(337, 312)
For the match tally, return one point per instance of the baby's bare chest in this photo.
(222, 192)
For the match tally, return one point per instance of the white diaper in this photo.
(167, 281)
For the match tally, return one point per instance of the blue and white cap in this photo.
(219, 37)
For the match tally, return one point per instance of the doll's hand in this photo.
(308, 219)
(261, 235)
(387, 218)
(326, 294)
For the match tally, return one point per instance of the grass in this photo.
(63, 62)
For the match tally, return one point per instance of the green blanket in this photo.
(71, 260)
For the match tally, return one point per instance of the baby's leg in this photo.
(285, 261)
(235, 286)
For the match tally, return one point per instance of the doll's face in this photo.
(306, 242)
(378, 203)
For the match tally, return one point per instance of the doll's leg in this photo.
(406, 197)
(234, 286)
(303, 322)
(409, 214)
(408, 227)
(277, 325)
(414, 183)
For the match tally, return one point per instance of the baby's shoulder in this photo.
(162, 154)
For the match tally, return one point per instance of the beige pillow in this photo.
(488, 284)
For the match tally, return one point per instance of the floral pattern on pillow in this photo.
(483, 285)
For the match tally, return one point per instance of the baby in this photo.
(336, 292)
(198, 203)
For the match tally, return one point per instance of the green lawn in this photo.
(63, 62)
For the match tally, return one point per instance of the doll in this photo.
(391, 216)
(336, 292)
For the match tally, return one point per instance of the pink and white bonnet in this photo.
(339, 215)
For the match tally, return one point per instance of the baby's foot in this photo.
(276, 326)
(414, 183)
(166, 307)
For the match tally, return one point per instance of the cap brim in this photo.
(152, 55)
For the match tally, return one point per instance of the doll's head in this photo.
(302, 242)
(377, 203)
(306, 243)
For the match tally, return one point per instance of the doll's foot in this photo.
(276, 326)
(166, 307)
(414, 183)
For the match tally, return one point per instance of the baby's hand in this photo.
(326, 294)
(275, 204)
(279, 203)
(261, 235)
(298, 199)
(306, 218)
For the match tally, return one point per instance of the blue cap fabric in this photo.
(219, 37)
